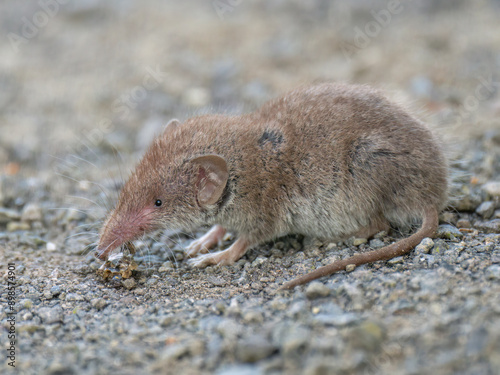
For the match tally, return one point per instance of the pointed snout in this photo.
(120, 229)
(111, 238)
(107, 243)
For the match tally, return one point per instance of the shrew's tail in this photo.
(402, 247)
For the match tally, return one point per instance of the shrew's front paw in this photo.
(206, 242)
(223, 258)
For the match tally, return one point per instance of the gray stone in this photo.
(368, 336)
(448, 232)
(8, 215)
(216, 281)
(129, 283)
(99, 303)
(467, 199)
(239, 369)
(258, 261)
(493, 272)
(50, 315)
(317, 290)
(336, 320)
(463, 223)
(253, 317)
(56, 290)
(425, 246)
(25, 303)
(229, 329)
(492, 226)
(15, 226)
(380, 235)
(396, 260)
(166, 266)
(359, 241)
(74, 297)
(32, 212)
(173, 352)
(448, 217)
(295, 339)
(376, 243)
(486, 209)
(350, 267)
(254, 348)
(60, 369)
(492, 188)
(440, 247)
(166, 321)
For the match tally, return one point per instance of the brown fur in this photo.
(327, 161)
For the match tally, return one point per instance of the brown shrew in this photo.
(329, 161)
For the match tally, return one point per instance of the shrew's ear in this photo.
(212, 175)
(171, 126)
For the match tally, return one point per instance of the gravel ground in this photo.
(84, 88)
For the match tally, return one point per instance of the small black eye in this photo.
(158, 203)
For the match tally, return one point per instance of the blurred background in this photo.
(86, 84)
(80, 75)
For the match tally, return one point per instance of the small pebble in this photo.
(15, 226)
(32, 212)
(47, 294)
(350, 267)
(166, 266)
(397, 260)
(258, 261)
(331, 245)
(448, 217)
(463, 223)
(493, 272)
(425, 246)
(129, 283)
(55, 290)
(253, 349)
(166, 321)
(50, 315)
(448, 232)
(196, 97)
(51, 246)
(59, 369)
(486, 209)
(253, 317)
(377, 243)
(359, 241)
(99, 303)
(216, 281)
(492, 188)
(492, 226)
(8, 215)
(317, 290)
(26, 303)
(74, 297)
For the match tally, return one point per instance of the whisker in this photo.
(83, 198)
(67, 209)
(81, 234)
